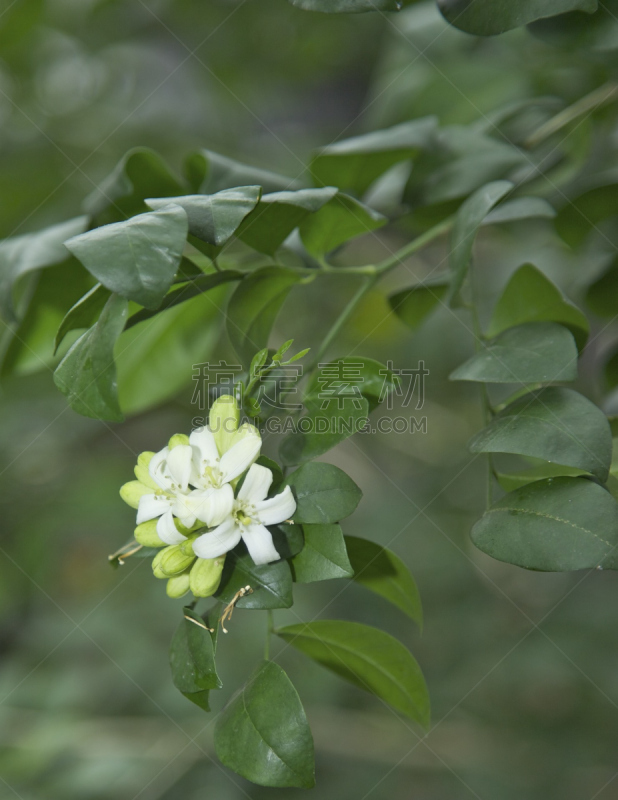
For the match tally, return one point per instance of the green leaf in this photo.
(594, 33)
(22, 255)
(359, 376)
(158, 357)
(84, 313)
(557, 524)
(520, 208)
(413, 305)
(367, 657)
(490, 17)
(510, 481)
(288, 539)
(382, 572)
(271, 583)
(209, 172)
(536, 352)
(139, 174)
(323, 557)
(602, 294)
(468, 220)
(29, 347)
(323, 492)
(277, 214)
(201, 284)
(582, 214)
(87, 374)
(555, 424)
(213, 218)
(531, 297)
(192, 655)
(355, 163)
(325, 427)
(347, 6)
(341, 219)
(254, 306)
(263, 733)
(201, 697)
(138, 258)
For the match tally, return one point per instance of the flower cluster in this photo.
(200, 495)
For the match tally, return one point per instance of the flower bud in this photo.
(132, 491)
(146, 534)
(174, 561)
(141, 470)
(156, 565)
(223, 421)
(178, 438)
(178, 585)
(205, 576)
(187, 546)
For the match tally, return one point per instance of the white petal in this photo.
(167, 530)
(217, 542)
(260, 545)
(276, 509)
(203, 441)
(157, 469)
(179, 464)
(211, 506)
(239, 457)
(182, 509)
(151, 506)
(256, 484)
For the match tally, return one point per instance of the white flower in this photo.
(170, 470)
(250, 514)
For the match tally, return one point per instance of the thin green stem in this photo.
(269, 631)
(415, 245)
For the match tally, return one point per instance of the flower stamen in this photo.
(228, 610)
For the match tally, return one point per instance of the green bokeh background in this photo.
(521, 666)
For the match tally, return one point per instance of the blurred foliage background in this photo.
(520, 665)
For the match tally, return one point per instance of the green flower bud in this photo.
(174, 561)
(132, 491)
(187, 547)
(141, 470)
(205, 576)
(146, 534)
(223, 421)
(156, 565)
(178, 585)
(178, 438)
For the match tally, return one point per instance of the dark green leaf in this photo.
(531, 297)
(323, 492)
(326, 424)
(537, 352)
(288, 539)
(192, 655)
(139, 174)
(555, 424)
(87, 374)
(341, 219)
(263, 733)
(323, 557)
(489, 17)
(277, 214)
(368, 658)
(381, 571)
(209, 172)
(201, 697)
(355, 163)
(510, 481)
(213, 218)
(468, 220)
(253, 308)
(138, 258)
(201, 284)
(413, 305)
(84, 313)
(352, 376)
(583, 213)
(602, 295)
(596, 33)
(271, 583)
(555, 525)
(22, 255)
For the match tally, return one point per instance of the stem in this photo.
(341, 320)
(269, 631)
(416, 245)
(597, 98)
